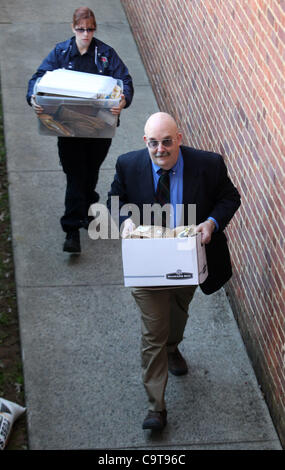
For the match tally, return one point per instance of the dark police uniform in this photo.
(81, 158)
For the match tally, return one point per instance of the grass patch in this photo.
(11, 373)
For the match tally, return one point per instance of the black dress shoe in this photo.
(176, 363)
(72, 242)
(155, 420)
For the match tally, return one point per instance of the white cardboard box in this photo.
(164, 261)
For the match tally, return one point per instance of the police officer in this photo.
(81, 158)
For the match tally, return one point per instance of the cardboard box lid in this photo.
(72, 83)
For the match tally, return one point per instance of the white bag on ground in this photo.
(9, 412)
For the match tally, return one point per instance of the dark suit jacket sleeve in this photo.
(208, 185)
(226, 199)
(132, 185)
(119, 190)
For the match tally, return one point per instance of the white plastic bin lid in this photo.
(72, 83)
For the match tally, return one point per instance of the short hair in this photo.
(83, 13)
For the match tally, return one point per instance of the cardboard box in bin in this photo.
(164, 261)
(77, 104)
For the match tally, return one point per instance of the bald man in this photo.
(195, 177)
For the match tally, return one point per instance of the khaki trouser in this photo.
(164, 313)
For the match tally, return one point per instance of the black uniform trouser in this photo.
(81, 159)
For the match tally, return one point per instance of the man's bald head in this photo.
(160, 119)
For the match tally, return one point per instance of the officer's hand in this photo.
(206, 228)
(36, 107)
(128, 227)
(117, 109)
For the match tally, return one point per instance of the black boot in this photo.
(72, 242)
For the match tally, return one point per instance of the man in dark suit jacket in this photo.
(196, 177)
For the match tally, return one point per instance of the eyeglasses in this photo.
(153, 144)
(82, 30)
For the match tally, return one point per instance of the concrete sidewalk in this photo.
(80, 328)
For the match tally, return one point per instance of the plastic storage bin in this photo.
(67, 116)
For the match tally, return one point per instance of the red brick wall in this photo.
(218, 67)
